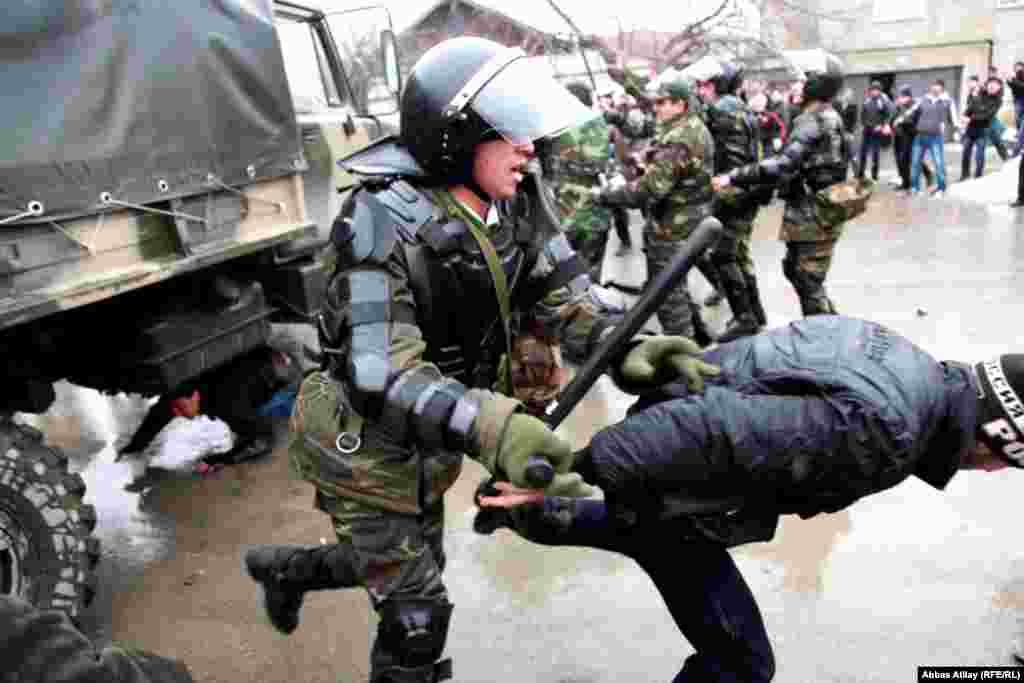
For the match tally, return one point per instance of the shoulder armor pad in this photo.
(386, 157)
(375, 217)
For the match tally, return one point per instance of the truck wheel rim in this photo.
(14, 548)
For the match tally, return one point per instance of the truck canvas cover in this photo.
(142, 99)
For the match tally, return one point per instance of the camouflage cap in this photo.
(679, 89)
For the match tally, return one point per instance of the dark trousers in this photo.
(903, 146)
(1020, 182)
(700, 584)
(974, 141)
(872, 145)
(1018, 107)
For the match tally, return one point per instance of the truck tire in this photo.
(47, 552)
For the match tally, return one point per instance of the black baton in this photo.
(539, 472)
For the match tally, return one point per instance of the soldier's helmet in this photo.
(824, 77)
(467, 90)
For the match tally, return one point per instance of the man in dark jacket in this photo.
(803, 419)
(982, 105)
(1016, 83)
(903, 129)
(875, 115)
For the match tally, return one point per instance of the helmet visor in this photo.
(524, 103)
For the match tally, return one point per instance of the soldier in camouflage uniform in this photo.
(737, 142)
(675, 190)
(422, 312)
(815, 157)
(582, 158)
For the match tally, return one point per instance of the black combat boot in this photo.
(743, 322)
(286, 572)
(755, 299)
(701, 334)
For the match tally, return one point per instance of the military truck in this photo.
(167, 183)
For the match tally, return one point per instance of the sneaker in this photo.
(1019, 204)
(938, 194)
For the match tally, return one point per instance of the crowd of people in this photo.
(920, 124)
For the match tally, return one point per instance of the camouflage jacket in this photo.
(583, 154)
(815, 156)
(396, 467)
(676, 183)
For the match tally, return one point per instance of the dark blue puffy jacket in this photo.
(804, 419)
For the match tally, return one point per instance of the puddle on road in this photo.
(801, 548)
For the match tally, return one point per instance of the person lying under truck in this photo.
(234, 393)
(802, 419)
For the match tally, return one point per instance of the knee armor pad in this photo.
(414, 630)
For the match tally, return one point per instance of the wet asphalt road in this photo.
(909, 577)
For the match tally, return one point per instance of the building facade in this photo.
(914, 42)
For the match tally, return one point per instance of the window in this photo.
(304, 63)
(899, 10)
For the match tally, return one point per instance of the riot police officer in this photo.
(816, 156)
(737, 134)
(425, 312)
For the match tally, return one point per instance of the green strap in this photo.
(479, 232)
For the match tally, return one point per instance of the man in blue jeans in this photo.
(1016, 84)
(928, 117)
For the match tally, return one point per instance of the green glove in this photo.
(524, 436)
(660, 359)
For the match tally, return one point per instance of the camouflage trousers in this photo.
(676, 314)
(732, 257)
(586, 223)
(399, 558)
(806, 265)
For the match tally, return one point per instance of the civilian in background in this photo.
(982, 105)
(773, 130)
(847, 109)
(928, 118)
(875, 115)
(951, 103)
(904, 130)
(1016, 83)
(997, 128)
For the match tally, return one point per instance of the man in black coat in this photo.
(875, 115)
(982, 105)
(802, 419)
